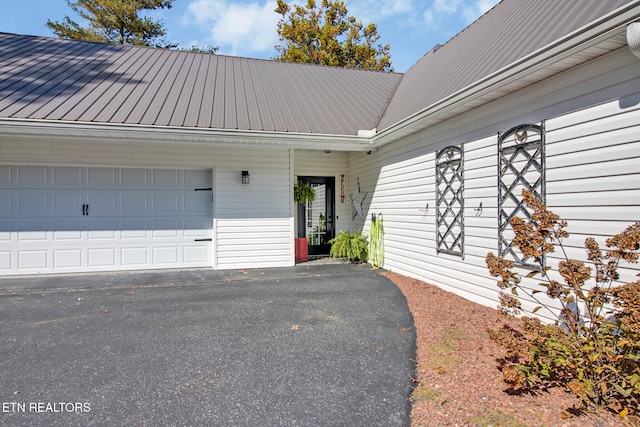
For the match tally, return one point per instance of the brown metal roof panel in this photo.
(28, 76)
(259, 111)
(194, 89)
(127, 84)
(242, 97)
(303, 101)
(72, 78)
(114, 104)
(275, 80)
(330, 114)
(126, 104)
(230, 100)
(373, 92)
(185, 95)
(219, 95)
(511, 30)
(268, 98)
(146, 107)
(16, 50)
(205, 109)
(100, 104)
(165, 88)
(299, 97)
(86, 99)
(177, 91)
(339, 104)
(252, 93)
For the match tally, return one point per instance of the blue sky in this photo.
(248, 28)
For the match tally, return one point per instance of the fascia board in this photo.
(605, 28)
(103, 132)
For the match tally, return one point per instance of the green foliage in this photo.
(593, 348)
(201, 49)
(114, 21)
(350, 245)
(440, 354)
(303, 193)
(326, 35)
(495, 418)
(376, 241)
(428, 394)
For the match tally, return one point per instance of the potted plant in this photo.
(302, 194)
(353, 246)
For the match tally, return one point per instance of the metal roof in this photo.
(62, 80)
(511, 30)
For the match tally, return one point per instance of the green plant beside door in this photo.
(303, 193)
(354, 246)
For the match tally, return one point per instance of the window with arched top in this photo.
(450, 200)
(520, 166)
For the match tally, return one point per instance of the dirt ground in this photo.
(458, 380)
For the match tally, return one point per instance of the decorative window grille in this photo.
(520, 166)
(450, 201)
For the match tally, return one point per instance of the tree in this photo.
(114, 21)
(201, 49)
(326, 35)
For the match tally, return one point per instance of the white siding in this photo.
(592, 118)
(593, 173)
(253, 224)
(254, 242)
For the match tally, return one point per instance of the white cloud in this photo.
(368, 11)
(444, 11)
(242, 29)
(446, 6)
(476, 9)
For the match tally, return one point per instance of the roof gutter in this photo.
(107, 132)
(596, 32)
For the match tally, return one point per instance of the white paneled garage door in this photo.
(76, 219)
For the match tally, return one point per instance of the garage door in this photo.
(75, 219)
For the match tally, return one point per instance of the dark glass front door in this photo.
(316, 219)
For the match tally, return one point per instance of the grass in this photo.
(427, 394)
(439, 359)
(495, 419)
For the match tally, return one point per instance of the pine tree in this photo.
(114, 21)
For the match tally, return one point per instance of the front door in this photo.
(316, 219)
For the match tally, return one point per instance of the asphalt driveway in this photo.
(311, 345)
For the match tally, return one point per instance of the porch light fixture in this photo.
(633, 38)
(245, 177)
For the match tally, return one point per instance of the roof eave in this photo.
(107, 132)
(537, 66)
